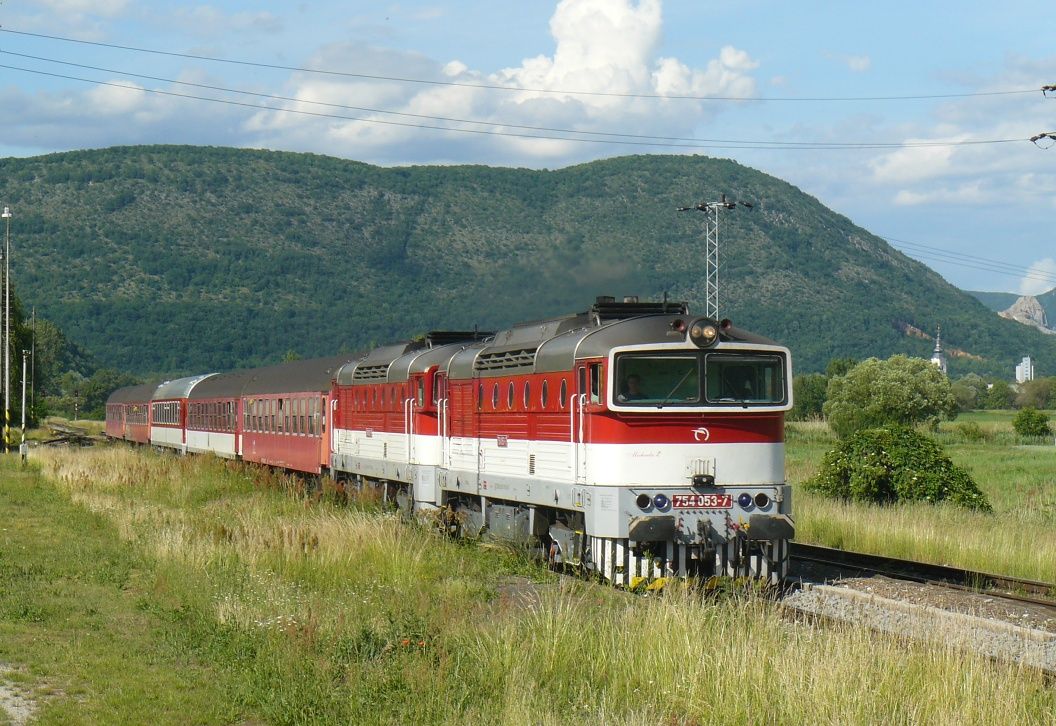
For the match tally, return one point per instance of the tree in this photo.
(1035, 394)
(839, 367)
(999, 395)
(1031, 422)
(808, 395)
(899, 390)
(967, 397)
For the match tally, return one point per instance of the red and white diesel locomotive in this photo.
(633, 441)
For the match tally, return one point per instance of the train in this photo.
(632, 442)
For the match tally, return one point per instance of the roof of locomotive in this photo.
(140, 393)
(178, 388)
(392, 363)
(554, 345)
(299, 376)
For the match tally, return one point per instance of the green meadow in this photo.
(146, 588)
(1018, 477)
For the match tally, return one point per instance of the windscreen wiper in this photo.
(672, 391)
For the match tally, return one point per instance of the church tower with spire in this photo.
(939, 356)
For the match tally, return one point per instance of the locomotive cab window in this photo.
(744, 378)
(695, 379)
(658, 379)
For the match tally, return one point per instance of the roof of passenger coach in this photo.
(221, 385)
(299, 376)
(179, 388)
(139, 393)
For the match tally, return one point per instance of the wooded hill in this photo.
(166, 259)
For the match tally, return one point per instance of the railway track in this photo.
(1006, 619)
(1006, 588)
(1003, 586)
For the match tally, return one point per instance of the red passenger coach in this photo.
(128, 413)
(284, 413)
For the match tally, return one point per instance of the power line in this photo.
(972, 262)
(626, 140)
(523, 89)
(502, 124)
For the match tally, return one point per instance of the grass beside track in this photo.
(227, 596)
(1018, 539)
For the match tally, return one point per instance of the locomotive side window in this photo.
(509, 396)
(544, 394)
(562, 397)
(495, 397)
(595, 383)
(480, 397)
(527, 395)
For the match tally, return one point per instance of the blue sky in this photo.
(959, 207)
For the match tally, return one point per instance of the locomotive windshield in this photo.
(674, 379)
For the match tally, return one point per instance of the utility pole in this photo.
(7, 330)
(22, 448)
(33, 362)
(711, 248)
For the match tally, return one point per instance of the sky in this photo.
(912, 119)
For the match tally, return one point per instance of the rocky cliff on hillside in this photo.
(1028, 310)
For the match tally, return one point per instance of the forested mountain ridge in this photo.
(184, 259)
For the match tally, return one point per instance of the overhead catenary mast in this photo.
(711, 248)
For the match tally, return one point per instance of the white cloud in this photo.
(913, 163)
(970, 193)
(859, 63)
(207, 20)
(105, 8)
(606, 50)
(1039, 277)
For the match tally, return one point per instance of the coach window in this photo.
(562, 397)
(544, 394)
(495, 397)
(304, 417)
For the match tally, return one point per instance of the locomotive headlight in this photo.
(643, 501)
(744, 500)
(660, 501)
(762, 500)
(704, 333)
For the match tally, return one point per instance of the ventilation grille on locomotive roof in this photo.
(508, 359)
(606, 308)
(371, 373)
(437, 338)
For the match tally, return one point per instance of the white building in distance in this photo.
(939, 356)
(1025, 370)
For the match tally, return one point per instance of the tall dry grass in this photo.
(336, 615)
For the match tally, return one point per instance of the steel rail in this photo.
(1003, 586)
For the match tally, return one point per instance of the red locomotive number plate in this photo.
(702, 501)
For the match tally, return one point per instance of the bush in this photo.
(895, 464)
(1031, 422)
(972, 432)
